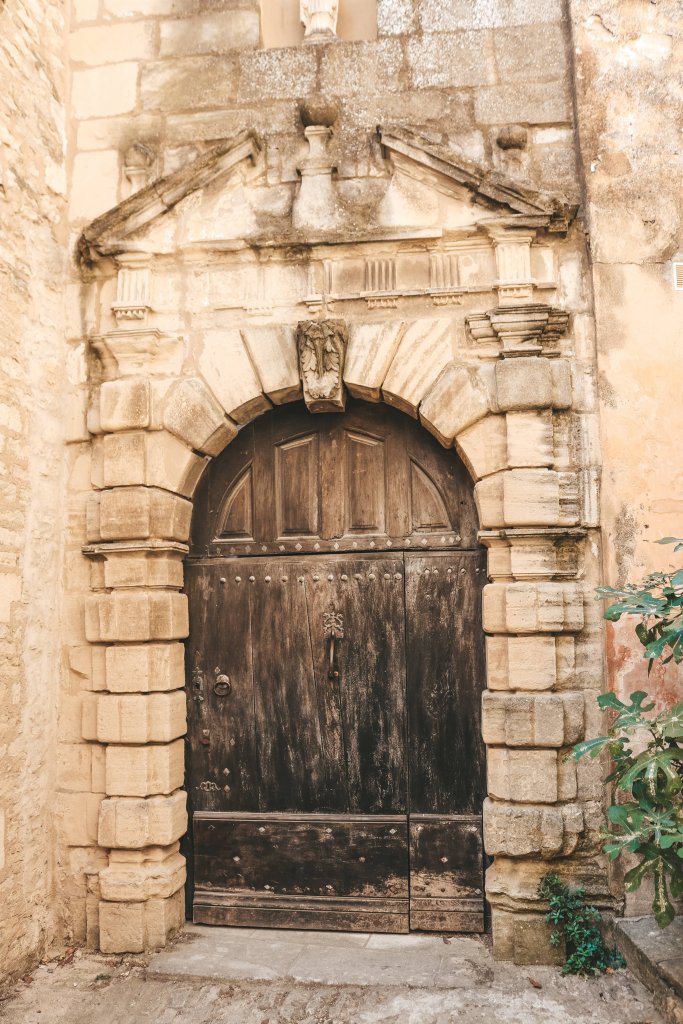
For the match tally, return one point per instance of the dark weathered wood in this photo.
(353, 914)
(271, 869)
(446, 873)
(292, 482)
(446, 676)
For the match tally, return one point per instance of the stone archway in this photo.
(156, 437)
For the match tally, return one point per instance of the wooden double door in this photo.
(336, 768)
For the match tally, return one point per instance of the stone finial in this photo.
(137, 166)
(322, 345)
(319, 18)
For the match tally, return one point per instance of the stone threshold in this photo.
(655, 956)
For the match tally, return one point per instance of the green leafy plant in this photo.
(647, 749)
(658, 601)
(578, 924)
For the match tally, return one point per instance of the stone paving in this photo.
(238, 976)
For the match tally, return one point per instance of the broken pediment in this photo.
(223, 201)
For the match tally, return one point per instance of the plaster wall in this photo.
(33, 96)
(629, 57)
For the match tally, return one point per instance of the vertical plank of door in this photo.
(292, 771)
(445, 673)
(221, 730)
(368, 593)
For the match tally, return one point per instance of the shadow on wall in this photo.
(281, 22)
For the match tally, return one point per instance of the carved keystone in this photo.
(322, 346)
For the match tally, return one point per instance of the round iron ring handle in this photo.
(222, 687)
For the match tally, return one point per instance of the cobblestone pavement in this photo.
(221, 976)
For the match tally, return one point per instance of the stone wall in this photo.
(32, 514)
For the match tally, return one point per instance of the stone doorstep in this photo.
(655, 956)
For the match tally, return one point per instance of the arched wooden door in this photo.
(335, 670)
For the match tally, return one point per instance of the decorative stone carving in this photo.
(133, 290)
(315, 207)
(319, 18)
(126, 353)
(444, 278)
(380, 282)
(531, 329)
(322, 346)
(513, 257)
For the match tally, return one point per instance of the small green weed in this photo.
(577, 924)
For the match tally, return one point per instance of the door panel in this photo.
(445, 670)
(305, 871)
(446, 874)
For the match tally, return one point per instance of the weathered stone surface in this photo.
(273, 353)
(523, 776)
(426, 348)
(77, 816)
(460, 397)
(533, 383)
(530, 438)
(134, 824)
(524, 939)
(192, 414)
(225, 363)
(483, 447)
(522, 662)
(138, 513)
(532, 720)
(149, 718)
(144, 771)
(123, 405)
(136, 927)
(136, 616)
(528, 497)
(372, 348)
(211, 32)
(156, 566)
(104, 91)
(155, 459)
(151, 879)
(533, 607)
(523, 830)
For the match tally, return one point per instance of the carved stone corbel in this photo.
(322, 345)
(528, 330)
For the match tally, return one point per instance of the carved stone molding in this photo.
(531, 329)
(131, 352)
(133, 290)
(322, 346)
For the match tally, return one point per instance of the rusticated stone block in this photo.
(532, 557)
(144, 668)
(138, 513)
(523, 830)
(528, 662)
(146, 567)
(533, 607)
(483, 447)
(530, 438)
(193, 414)
(141, 718)
(124, 405)
(523, 776)
(77, 815)
(144, 771)
(123, 882)
(531, 720)
(528, 497)
(533, 383)
(151, 459)
(129, 616)
(137, 927)
(512, 882)
(133, 824)
(460, 397)
(524, 939)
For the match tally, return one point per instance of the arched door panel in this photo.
(335, 759)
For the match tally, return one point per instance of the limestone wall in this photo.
(32, 262)
(629, 65)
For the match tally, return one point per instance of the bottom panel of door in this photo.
(327, 872)
(446, 873)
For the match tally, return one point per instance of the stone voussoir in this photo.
(192, 414)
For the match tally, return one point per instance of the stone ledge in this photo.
(655, 956)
